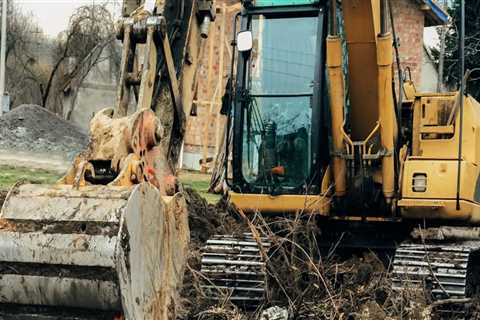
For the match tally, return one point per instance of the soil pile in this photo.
(34, 129)
(206, 219)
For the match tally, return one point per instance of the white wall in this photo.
(429, 76)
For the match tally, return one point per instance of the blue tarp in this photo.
(437, 16)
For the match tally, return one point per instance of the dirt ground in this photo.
(301, 280)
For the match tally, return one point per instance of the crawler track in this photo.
(234, 267)
(446, 271)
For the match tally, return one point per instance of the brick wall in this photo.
(409, 25)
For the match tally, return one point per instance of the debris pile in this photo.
(32, 128)
(303, 282)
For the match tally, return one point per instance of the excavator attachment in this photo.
(97, 247)
(112, 236)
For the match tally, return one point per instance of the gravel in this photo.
(31, 128)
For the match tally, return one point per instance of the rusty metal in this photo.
(113, 233)
(50, 291)
(444, 267)
(58, 246)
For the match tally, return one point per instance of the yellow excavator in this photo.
(317, 128)
(110, 239)
(321, 125)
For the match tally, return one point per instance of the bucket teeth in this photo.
(234, 267)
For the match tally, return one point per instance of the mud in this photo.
(206, 219)
(305, 281)
(65, 227)
(15, 312)
(59, 271)
(34, 129)
(301, 279)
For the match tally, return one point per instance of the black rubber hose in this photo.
(462, 93)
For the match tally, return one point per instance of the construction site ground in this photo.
(308, 285)
(37, 146)
(20, 166)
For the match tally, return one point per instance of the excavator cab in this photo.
(280, 146)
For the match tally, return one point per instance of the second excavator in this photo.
(321, 125)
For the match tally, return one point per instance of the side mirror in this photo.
(244, 41)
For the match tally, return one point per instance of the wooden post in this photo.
(219, 119)
(209, 94)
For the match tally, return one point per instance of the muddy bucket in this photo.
(97, 247)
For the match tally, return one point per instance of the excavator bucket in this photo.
(97, 248)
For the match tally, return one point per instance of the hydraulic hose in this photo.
(462, 94)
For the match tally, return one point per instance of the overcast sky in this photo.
(53, 15)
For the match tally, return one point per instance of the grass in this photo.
(199, 182)
(10, 174)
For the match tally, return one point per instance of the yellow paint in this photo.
(280, 204)
(386, 112)
(337, 107)
(436, 130)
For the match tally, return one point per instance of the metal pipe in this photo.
(336, 89)
(333, 18)
(399, 104)
(233, 85)
(383, 17)
(3, 53)
(462, 94)
(441, 58)
(385, 104)
(205, 27)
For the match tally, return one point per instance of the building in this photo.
(205, 126)
(411, 17)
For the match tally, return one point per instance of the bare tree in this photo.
(79, 49)
(24, 72)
